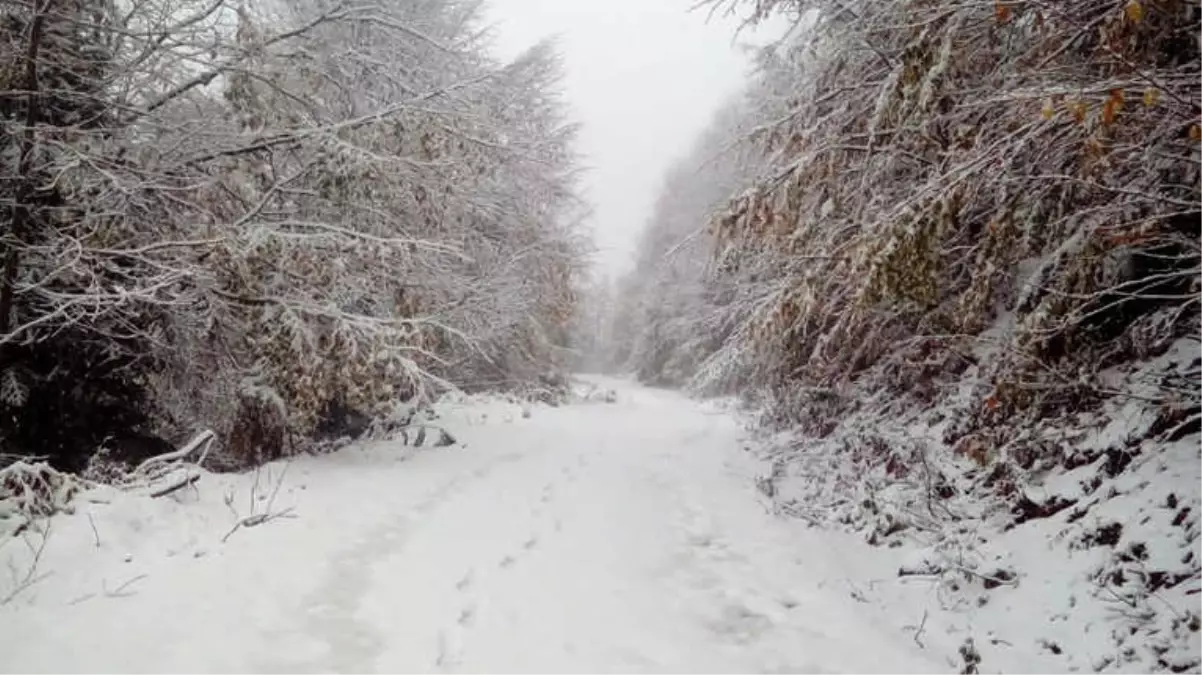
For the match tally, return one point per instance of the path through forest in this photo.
(588, 537)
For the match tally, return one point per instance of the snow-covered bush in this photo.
(30, 490)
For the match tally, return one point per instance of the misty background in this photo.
(643, 78)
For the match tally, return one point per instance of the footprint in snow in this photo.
(531, 542)
(448, 649)
(466, 615)
(465, 582)
(507, 561)
(742, 624)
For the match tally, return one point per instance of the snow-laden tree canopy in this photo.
(245, 219)
(902, 180)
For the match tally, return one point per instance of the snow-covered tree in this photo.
(919, 183)
(674, 311)
(251, 219)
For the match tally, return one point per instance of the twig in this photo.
(31, 577)
(22, 586)
(922, 626)
(95, 532)
(228, 500)
(856, 593)
(254, 488)
(961, 568)
(278, 483)
(117, 592)
(265, 517)
(209, 75)
(257, 519)
(82, 598)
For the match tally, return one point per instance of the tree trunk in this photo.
(21, 207)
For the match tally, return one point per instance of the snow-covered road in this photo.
(591, 537)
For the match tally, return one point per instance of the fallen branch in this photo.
(179, 485)
(205, 437)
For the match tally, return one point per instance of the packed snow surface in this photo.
(598, 536)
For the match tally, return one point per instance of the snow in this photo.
(590, 537)
(1109, 583)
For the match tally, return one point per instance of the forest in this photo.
(271, 222)
(934, 272)
(905, 182)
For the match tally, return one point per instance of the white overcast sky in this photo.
(643, 78)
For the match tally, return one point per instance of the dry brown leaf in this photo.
(1095, 152)
(1002, 13)
(1078, 110)
(1113, 105)
(1151, 96)
(1134, 11)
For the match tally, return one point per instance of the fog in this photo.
(643, 77)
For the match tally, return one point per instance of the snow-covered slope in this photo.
(1072, 547)
(597, 536)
